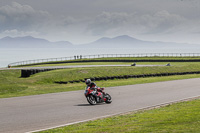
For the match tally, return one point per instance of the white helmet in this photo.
(88, 81)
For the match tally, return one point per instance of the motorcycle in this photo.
(94, 96)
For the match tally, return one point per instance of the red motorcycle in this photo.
(96, 95)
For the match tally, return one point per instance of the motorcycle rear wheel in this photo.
(91, 100)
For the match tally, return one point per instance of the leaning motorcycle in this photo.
(93, 96)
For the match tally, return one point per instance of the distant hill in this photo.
(31, 42)
(123, 41)
(119, 41)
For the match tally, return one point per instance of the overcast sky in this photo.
(82, 21)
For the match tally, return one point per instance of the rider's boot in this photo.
(98, 99)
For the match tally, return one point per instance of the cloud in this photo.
(17, 16)
(107, 21)
(24, 17)
(62, 20)
(18, 20)
(160, 22)
(164, 22)
(15, 32)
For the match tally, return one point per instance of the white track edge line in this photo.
(145, 108)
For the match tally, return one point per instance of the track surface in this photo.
(30, 113)
(75, 66)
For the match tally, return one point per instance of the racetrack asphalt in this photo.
(73, 66)
(33, 113)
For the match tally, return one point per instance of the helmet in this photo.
(88, 81)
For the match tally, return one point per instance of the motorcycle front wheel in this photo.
(108, 98)
(91, 100)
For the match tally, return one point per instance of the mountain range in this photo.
(31, 42)
(123, 41)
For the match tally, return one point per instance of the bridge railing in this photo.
(27, 62)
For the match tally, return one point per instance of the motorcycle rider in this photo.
(91, 84)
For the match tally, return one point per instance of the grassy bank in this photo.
(12, 85)
(181, 117)
(81, 73)
(120, 60)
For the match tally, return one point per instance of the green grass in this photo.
(63, 63)
(82, 63)
(113, 63)
(81, 73)
(11, 85)
(181, 117)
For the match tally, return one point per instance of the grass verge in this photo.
(81, 73)
(120, 60)
(183, 117)
(12, 85)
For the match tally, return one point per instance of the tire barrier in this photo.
(127, 77)
(25, 73)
